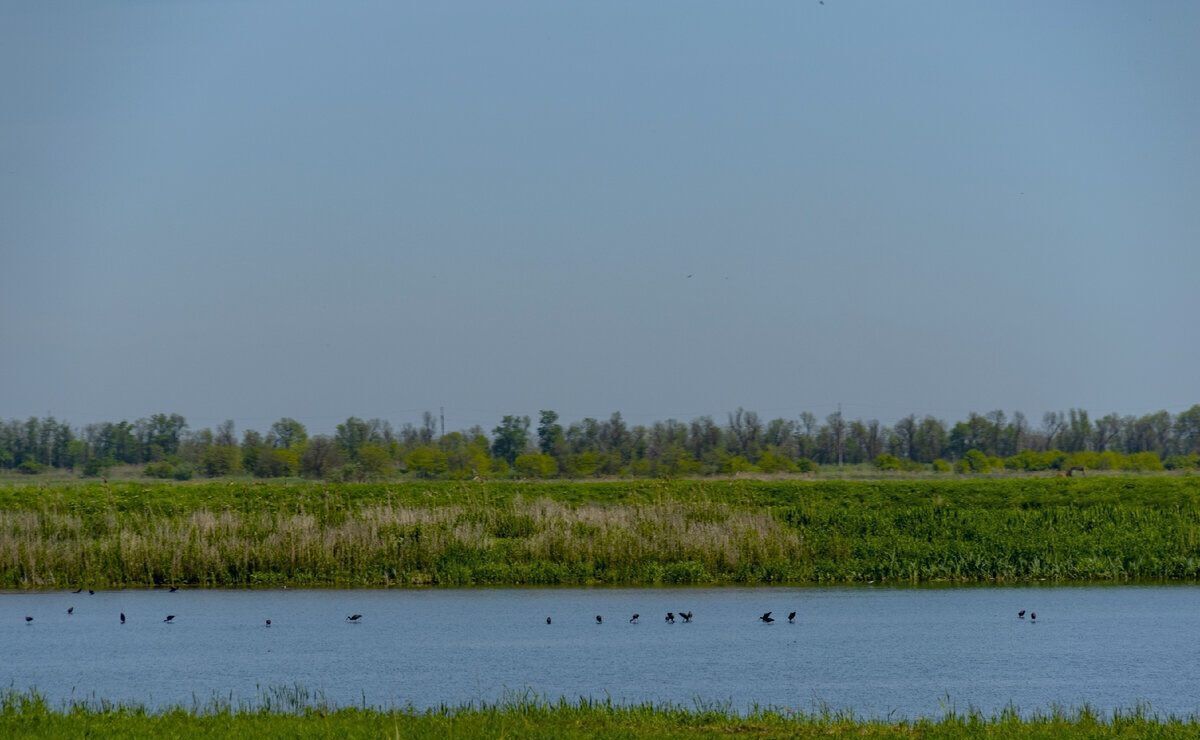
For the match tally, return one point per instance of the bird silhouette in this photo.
(354, 618)
(91, 592)
(28, 620)
(687, 616)
(767, 618)
(173, 589)
(70, 610)
(671, 617)
(1021, 614)
(1033, 616)
(170, 618)
(599, 619)
(547, 620)
(268, 623)
(122, 617)
(792, 617)
(634, 618)
(77, 591)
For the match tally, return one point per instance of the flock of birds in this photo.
(766, 618)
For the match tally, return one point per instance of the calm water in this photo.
(874, 650)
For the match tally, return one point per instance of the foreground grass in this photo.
(25, 715)
(650, 532)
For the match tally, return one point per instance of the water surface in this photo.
(877, 651)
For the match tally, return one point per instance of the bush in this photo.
(891, 462)
(1182, 462)
(772, 462)
(183, 471)
(427, 462)
(375, 461)
(1143, 462)
(940, 466)
(804, 465)
(161, 469)
(31, 467)
(276, 463)
(97, 466)
(221, 460)
(536, 465)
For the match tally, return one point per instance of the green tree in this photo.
(321, 458)
(289, 433)
(536, 465)
(511, 438)
(428, 462)
(375, 461)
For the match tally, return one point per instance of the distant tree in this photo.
(536, 465)
(550, 433)
(510, 438)
(352, 435)
(428, 462)
(375, 461)
(321, 458)
(289, 433)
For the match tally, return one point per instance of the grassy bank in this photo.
(24, 715)
(245, 534)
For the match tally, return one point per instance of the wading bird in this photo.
(122, 617)
(792, 617)
(77, 591)
(634, 618)
(687, 616)
(70, 610)
(599, 619)
(91, 592)
(1021, 614)
(670, 617)
(767, 618)
(170, 618)
(547, 620)
(173, 589)
(28, 620)
(354, 618)
(1033, 616)
(268, 623)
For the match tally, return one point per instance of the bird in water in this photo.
(792, 617)
(122, 617)
(634, 619)
(1033, 616)
(78, 591)
(670, 618)
(548, 620)
(91, 592)
(173, 589)
(70, 610)
(354, 618)
(687, 616)
(28, 620)
(268, 623)
(599, 619)
(767, 618)
(1021, 614)
(170, 618)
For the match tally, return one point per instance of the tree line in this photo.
(361, 449)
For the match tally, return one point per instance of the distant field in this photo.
(26, 716)
(606, 533)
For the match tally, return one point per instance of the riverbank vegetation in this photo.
(28, 715)
(164, 446)
(616, 533)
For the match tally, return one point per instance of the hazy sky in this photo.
(250, 210)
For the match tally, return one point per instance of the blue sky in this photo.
(251, 210)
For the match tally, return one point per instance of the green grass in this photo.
(626, 532)
(27, 715)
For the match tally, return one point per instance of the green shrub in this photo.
(30, 467)
(160, 469)
(1182, 462)
(536, 465)
(940, 466)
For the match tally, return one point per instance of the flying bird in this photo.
(353, 617)
(634, 618)
(792, 617)
(767, 618)
(170, 618)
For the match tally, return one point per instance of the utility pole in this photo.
(442, 416)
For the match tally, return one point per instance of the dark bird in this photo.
(689, 275)
(767, 618)
(170, 618)
(547, 620)
(599, 619)
(70, 610)
(91, 592)
(268, 623)
(77, 591)
(1021, 614)
(687, 616)
(353, 617)
(634, 618)
(792, 617)
(671, 617)
(122, 617)
(173, 589)
(1033, 616)
(28, 620)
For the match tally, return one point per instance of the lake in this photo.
(878, 651)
